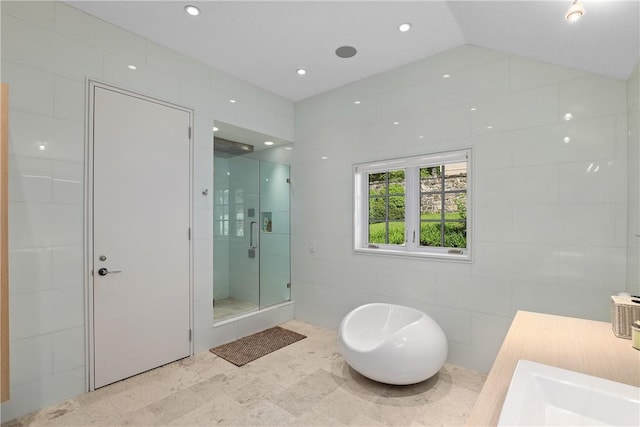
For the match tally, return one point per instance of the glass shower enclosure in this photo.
(251, 235)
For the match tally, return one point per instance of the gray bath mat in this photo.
(248, 349)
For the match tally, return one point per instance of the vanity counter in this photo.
(580, 345)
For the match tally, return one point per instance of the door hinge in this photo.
(189, 132)
(190, 335)
(189, 233)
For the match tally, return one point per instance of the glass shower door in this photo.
(236, 264)
(275, 255)
(251, 235)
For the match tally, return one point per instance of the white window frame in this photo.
(412, 166)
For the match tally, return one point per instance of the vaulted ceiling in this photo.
(265, 42)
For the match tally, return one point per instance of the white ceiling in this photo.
(264, 42)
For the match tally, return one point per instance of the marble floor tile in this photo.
(304, 384)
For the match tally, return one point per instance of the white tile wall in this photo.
(573, 249)
(549, 214)
(48, 51)
(633, 146)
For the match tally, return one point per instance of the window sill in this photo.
(466, 257)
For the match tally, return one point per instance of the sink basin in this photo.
(543, 395)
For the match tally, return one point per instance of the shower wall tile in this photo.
(593, 182)
(78, 25)
(69, 101)
(33, 13)
(68, 266)
(633, 147)
(561, 300)
(68, 182)
(592, 96)
(57, 310)
(474, 293)
(592, 267)
(68, 349)
(30, 179)
(529, 74)
(61, 139)
(30, 270)
(147, 80)
(45, 50)
(492, 151)
(488, 80)
(497, 224)
(33, 91)
(30, 366)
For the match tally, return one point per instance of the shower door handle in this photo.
(253, 244)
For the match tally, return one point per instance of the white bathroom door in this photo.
(141, 234)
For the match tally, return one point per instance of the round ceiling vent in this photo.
(346, 51)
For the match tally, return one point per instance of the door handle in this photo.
(103, 271)
(252, 235)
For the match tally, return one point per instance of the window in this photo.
(221, 210)
(415, 206)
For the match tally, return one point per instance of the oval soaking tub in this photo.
(392, 344)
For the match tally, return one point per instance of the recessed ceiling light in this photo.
(324, 157)
(472, 109)
(346, 51)
(489, 127)
(566, 139)
(192, 10)
(404, 27)
(233, 101)
(268, 143)
(215, 129)
(568, 116)
(446, 76)
(132, 67)
(356, 102)
(301, 71)
(575, 12)
(42, 146)
(396, 123)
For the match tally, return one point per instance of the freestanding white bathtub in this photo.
(392, 344)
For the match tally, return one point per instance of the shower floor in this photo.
(229, 307)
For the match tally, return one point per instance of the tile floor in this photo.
(229, 307)
(304, 384)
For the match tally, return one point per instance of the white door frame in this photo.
(88, 218)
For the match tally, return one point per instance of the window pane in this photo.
(377, 184)
(239, 224)
(455, 234)
(378, 233)
(430, 206)
(396, 233)
(430, 234)
(377, 209)
(396, 207)
(431, 179)
(222, 197)
(455, 205)
(222, 212)
(396, 177)
(456, 176)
